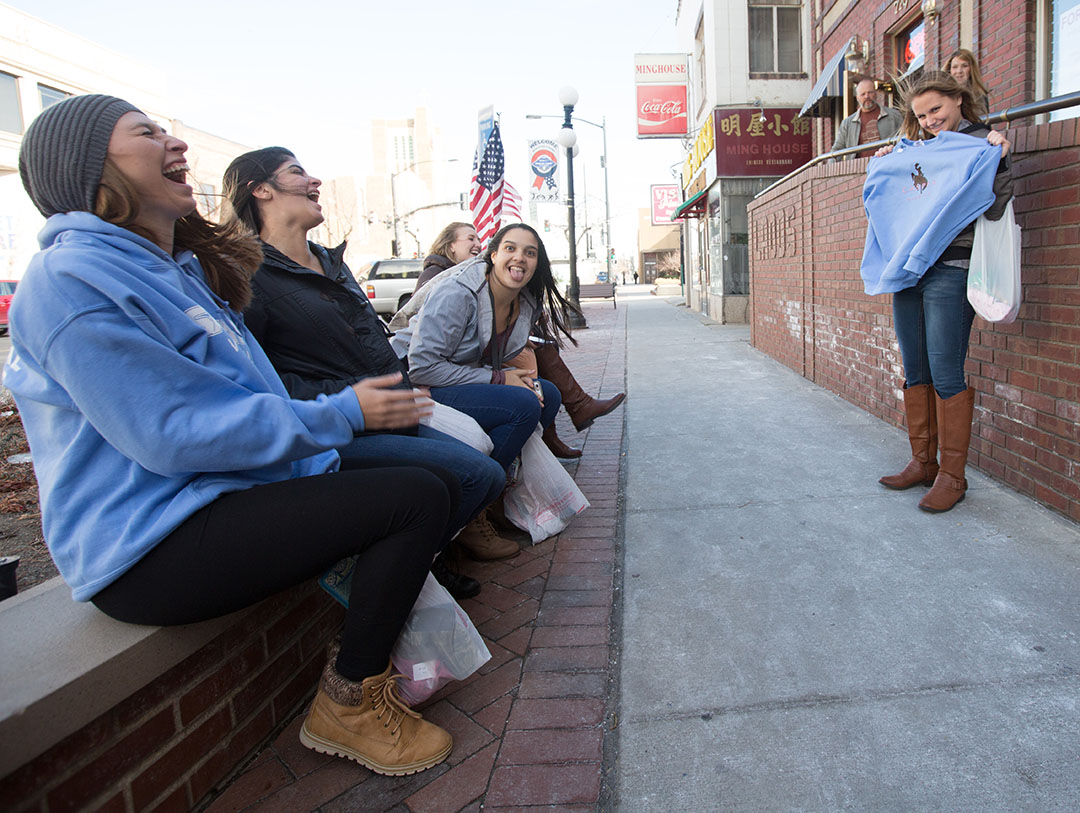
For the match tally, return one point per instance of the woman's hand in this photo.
(516, 377)
(883, 151)
(388, 408)
(997, 138)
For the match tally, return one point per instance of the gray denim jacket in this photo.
(449, 334)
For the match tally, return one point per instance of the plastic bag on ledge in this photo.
(438, 643)
(993, 287)
(545, 497)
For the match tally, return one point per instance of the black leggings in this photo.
(248, 545)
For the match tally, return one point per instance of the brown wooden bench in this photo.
(599, 290)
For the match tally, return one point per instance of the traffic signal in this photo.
(547, 225)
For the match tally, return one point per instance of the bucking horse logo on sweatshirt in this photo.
(918, 179)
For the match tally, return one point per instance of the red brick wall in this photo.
(809, 312)
(171, 743)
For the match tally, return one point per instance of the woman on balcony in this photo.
(964, 68)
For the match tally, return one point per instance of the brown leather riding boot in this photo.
(557, 447)
(366, 721)
(582, 407)
(919, 404)
(954, 436)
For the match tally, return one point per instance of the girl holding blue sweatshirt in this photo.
(949, 157)
(178, 480)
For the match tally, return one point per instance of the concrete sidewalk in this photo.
(795, 636)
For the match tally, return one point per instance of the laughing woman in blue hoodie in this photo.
(178, 480)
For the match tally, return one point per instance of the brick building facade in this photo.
(807, 304)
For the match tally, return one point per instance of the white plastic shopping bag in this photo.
(459, 426)
(545, 497)
(994, 277)
(438, 643)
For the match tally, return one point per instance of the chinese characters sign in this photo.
(750, 143)
(661, 95)
(665, 200)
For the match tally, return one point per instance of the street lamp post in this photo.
(603, 163)
(568, 97)
(393, 195)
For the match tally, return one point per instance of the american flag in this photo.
(491, 196)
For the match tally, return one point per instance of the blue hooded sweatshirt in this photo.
(918, 198)
(145, 398)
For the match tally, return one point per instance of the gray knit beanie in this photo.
(63, 152)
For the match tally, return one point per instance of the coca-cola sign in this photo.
(661, 110)
(661, 95)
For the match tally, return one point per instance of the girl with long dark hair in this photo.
(457, 243)
(476, 319)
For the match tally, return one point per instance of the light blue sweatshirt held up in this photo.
(145, 398)
(918, 198)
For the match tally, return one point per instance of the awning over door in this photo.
(829, 86)
(695, 207)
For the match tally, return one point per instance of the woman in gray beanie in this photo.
(178, 481)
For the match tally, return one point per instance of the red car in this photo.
(7, 288)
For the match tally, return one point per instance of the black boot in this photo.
(458, 585)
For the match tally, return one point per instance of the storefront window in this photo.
(911, 48)
(716, 242)
(1064, 38)
(729, 235)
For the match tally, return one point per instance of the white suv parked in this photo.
(389, 284)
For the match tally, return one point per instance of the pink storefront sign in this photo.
(665, 200)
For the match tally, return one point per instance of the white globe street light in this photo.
(568, 97)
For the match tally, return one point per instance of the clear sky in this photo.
(311, 75)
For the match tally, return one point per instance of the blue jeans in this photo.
(933, 325)
(508, 414)
(481, 478)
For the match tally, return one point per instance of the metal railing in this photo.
(1011, 114)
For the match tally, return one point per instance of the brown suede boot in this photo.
(582, 407)
(558, 448)
(923, 436)
(480, 541)
(367, 722)
(954, 436)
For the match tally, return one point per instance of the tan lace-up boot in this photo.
(482, 542)
(369, 723)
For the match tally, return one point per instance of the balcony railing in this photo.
(1011, 114)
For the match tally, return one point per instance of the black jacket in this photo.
(319, 331)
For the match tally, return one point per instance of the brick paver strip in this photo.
(529, 726)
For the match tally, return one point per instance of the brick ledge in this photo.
(64, 663)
